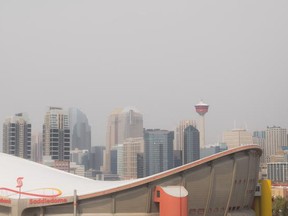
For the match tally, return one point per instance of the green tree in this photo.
(280, 206)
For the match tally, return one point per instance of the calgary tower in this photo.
(202, 109)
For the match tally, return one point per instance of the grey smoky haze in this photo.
(161, 57)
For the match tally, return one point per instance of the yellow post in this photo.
(257, 199)
(256, 206)
(266, 198)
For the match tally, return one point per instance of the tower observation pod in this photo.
(202, 109)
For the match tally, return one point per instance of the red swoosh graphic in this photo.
(33, 194)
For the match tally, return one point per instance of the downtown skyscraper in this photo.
(56, 134)
(179, 133)
(132, 147)
(158, 150)
(191, 144)
(122, 124)
(80, 130)
(237, 137)
(17, 136)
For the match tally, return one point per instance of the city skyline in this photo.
(38, 128)
(161, 58)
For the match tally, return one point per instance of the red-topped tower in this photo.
(202, 109)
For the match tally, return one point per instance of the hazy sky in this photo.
(161, 57)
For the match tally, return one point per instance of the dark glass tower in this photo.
(191, 144)
(158, 147)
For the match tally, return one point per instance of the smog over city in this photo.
(159, 57)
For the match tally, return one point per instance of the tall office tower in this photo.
(179, 133)
(140, 165)
(122, 124)
(37, 147)
(158, 150)
(113, 160)
(130, 124)
(211, 150)
(259, 138)
(56, 135)
(17, 136)
(80, 130)
(191, 144)
(177, 158)
(111, 139)
(237, 137)
(276, 137)
(116, 160)
(96, 158)
(131, 148)
(202, 109)
(79, 157)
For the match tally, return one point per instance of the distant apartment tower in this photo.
(80, 130)
(37, 147)
(179, 133)
(237, 137)
(158, 150)
(276, 137)
(191, 144)
(17, 136)
(122, 124)
(56, 135)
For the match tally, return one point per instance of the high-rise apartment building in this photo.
(17, 136)
(191, 144)
(37, 147)
(158, 150)
(80, 130)
(122, 124)
(237, 137)
(179, 133)
(276, 137)
(56, 134)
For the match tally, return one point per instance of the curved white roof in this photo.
(40, 180)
